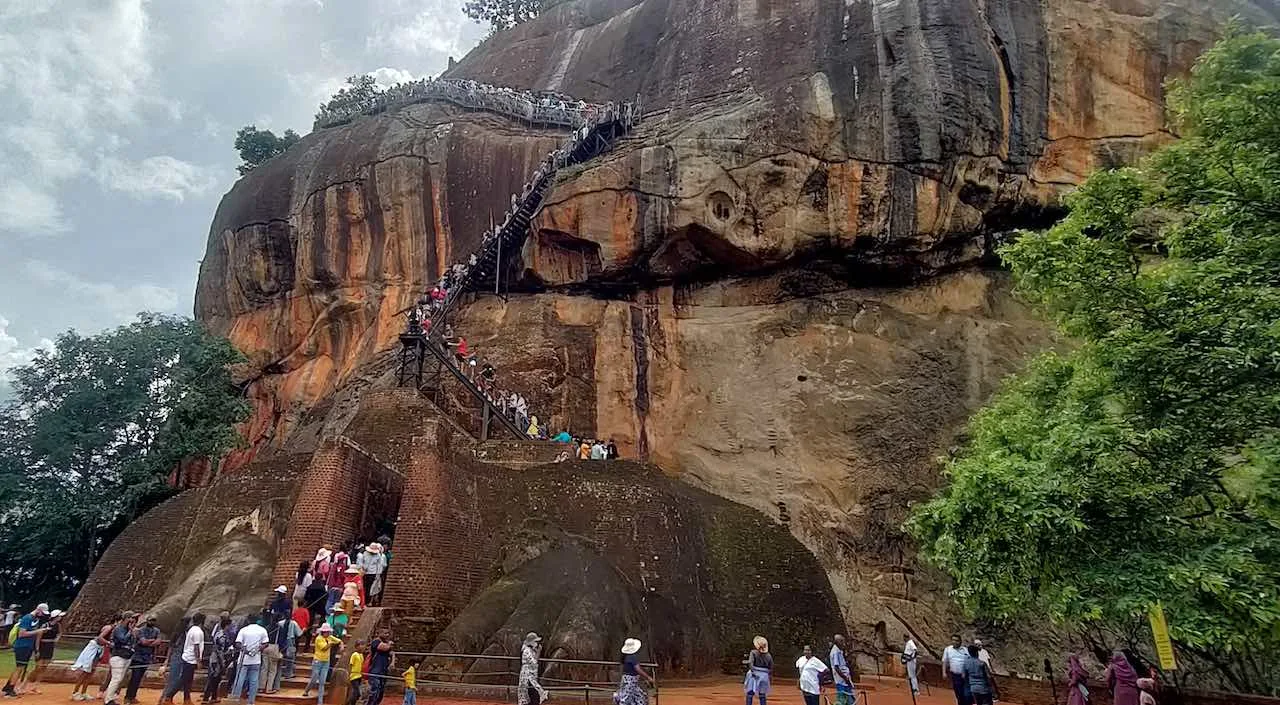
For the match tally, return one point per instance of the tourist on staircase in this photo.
(287, 634)
(372, 565)
(381, 655)
(528, 690)
(630, 692)
(302, 581)
(351, 591)
(325, 642)
(250, 642)
(302, 618)
(533, 431)
(280, 604)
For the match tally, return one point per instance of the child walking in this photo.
(356, 673)
(411, 682)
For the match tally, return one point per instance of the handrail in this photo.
(470, 386)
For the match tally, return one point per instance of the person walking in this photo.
(123, 642)
(528, 690)
(250, 643)
(811, 669)
(953, 658)
(759, 671)
(1122, 680)
(173, 672)
(355, 673)
(911, 659)
(46, 643)
(221, 655)
(287, 634)
(302, 580)
(380, 658)
(410, 677)
(87, 662)
(978, 678)
(147, 639)
(24, 645)
(325, 641)
(630, 691)
(192, 652)
(841, 676)
(372, 564)
(1077, 682)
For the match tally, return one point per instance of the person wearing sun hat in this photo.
(630, 692)
(529, 691)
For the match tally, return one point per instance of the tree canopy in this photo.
(1143, 465)
(257, 146)
(359, 95)
(505, 14)
(93, 431)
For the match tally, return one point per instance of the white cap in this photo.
(43, 608)
(281, 588)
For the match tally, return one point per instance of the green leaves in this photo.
(505, 14)
(1144, 465)
(257, 146)
(93, 432)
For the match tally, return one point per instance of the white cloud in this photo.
(417, 28)
(387, 76)
(155, 177)
(28, 210)
(14, 354)
(119, 303)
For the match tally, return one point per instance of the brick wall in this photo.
(342, 492)
(158, 549)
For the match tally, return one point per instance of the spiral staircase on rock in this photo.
(422, 343)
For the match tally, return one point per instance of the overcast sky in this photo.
(117, 119)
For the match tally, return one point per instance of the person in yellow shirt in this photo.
(320, 666)
(411, 682)
(356, 674)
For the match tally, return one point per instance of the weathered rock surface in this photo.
(786, 304)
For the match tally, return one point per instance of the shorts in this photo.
(22, 656)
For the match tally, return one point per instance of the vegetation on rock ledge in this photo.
(256, 146)
(1144, 465)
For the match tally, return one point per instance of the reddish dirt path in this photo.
(886, 691)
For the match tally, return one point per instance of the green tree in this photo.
(93, 431)
(257, 146)
(505, 14)
(1143, 465)
(359, 95)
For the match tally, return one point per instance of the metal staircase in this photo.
(422, 337)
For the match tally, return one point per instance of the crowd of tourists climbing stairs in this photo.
(428, 334)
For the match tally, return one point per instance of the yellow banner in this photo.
(1160, 633)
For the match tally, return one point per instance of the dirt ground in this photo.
(887, 691)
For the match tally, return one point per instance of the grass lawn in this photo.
(60, 653)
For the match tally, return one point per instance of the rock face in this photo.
(775, 289)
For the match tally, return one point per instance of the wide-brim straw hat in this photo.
(630, 646)
(374, 547)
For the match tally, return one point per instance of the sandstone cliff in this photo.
(774, 289)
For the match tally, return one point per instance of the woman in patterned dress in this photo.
(630, 692)
(529, 690)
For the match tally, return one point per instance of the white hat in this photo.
(326, 627)
(281, 588)
(531, 638)
(55, 614)
(630, 646)
(42, 608)
(374, 547)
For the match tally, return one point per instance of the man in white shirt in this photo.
(810, 676)
(911, 658)
(250, 642)
(953, 658)
(192, 651)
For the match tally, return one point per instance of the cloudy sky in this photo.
(117, 119)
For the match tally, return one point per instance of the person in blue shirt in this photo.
(24, 645)
(840, 673)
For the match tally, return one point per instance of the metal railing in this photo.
(498, 676)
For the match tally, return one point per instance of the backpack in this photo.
(13, 633)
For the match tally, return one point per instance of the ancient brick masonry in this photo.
(333, 507)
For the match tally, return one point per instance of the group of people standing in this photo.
(758, 683)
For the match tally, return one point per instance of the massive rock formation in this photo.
(774, 289)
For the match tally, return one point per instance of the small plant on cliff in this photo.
(257, 146)
(505, 14)
(91, 435)
(1143, 466)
